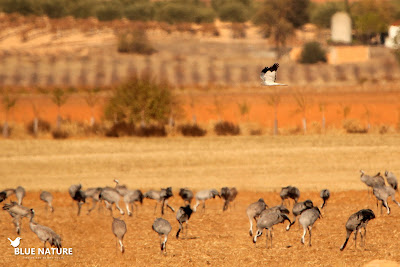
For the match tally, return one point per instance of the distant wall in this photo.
(348, 54)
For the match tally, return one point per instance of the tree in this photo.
(140, 100)
(322, 109)
(273, 100)
(321, 14)
(371, 17)
(279, 18)
(244, 108)
(59, 96)
(91, 95)
(303, 103)
(9, 100)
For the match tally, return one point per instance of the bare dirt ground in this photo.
(257, 166)
(214, 238)
(376, 108)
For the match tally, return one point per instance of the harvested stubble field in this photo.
(257, 166)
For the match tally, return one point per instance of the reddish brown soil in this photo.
(380, 108)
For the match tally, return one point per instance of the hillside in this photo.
(84, 52)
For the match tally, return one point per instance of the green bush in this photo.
(59, 134)
(321, 14)
(120, 129)
(192, 130)
(109, 11)
(312, 53)
(23, 7)
(152, 130)
(55, 8)
(177, 12)
(233, 12)
(83, 9)
(43, 126)
(354, 126)
(203, 15)
(140, 12)
(226, 128)
(140, 100)
(135, 42)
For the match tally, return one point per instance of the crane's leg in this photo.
(119, 208)
(251, 227)
(355, 238)
(304, 234)
(347, 239)
(258, 233)
(94, 203)
(195, 206)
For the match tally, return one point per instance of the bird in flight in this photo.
(268, 75)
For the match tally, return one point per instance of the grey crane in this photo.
(20, 194)
(77, 195)
(253, 211)
(48, 198)
(17, 212)
(277, 209)
(307, 220)
(372, 181)
(267, 221)
(121, 189)
(290, 192)
(356, 222)
(94, 194)
(203, 196)
(162, 227)
(119, 230)
(3, 196)
(6, 193)
(131, 197)
(391, 180)
(298, 208)
(382, 193)
(229, 195)
(183, 216)
(325, 194)
(160, 196)
(44, 233)
(110, 197)
(186, 194)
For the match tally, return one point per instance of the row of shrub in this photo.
(223, 128)
(197, 11)
(121, 129)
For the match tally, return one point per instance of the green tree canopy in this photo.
(140, 100)
(371, 17)
(321, 14)
(279, 18)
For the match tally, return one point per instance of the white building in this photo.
(393, 39)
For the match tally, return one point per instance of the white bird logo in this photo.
(16, 242)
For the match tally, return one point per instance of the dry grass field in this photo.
(257, 166)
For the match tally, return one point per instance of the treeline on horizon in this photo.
(377, 13)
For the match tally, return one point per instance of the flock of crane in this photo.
(264, 216)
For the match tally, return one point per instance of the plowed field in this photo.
(257, 166)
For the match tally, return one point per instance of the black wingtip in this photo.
(274, 67)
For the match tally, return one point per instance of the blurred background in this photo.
(191, 67)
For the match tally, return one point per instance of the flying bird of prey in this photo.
(268, 75)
